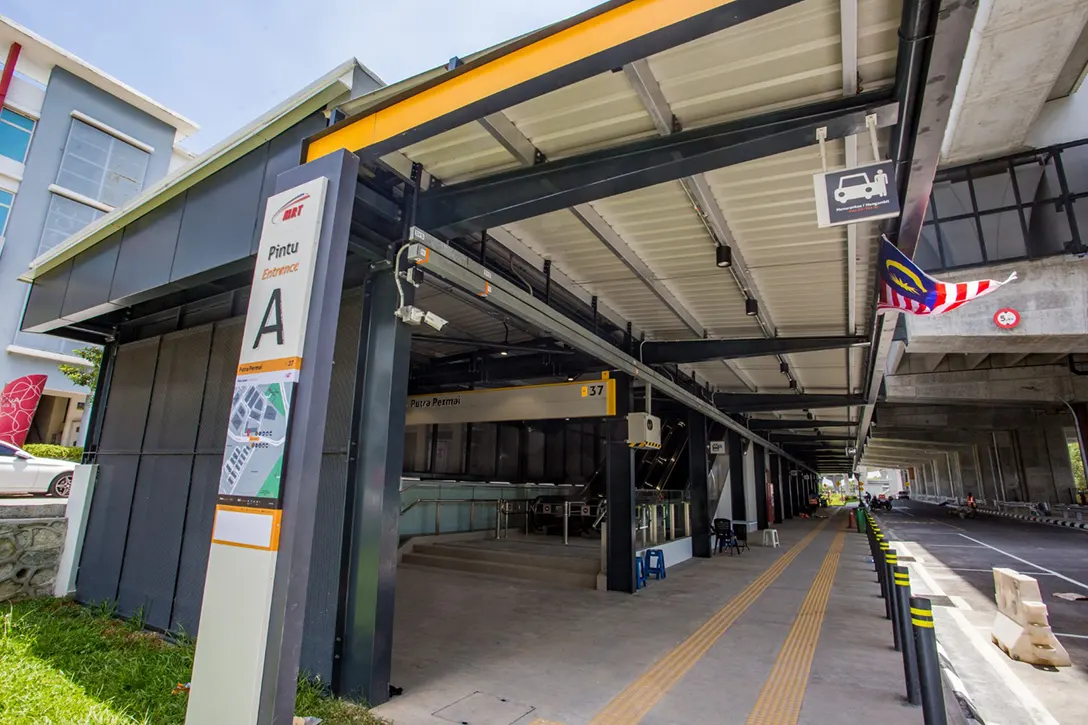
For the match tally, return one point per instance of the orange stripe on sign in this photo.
(247, 528)
(270, 366)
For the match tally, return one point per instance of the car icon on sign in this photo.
(859, 186)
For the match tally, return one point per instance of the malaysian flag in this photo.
(903, 286)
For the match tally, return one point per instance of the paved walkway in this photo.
(782, 636)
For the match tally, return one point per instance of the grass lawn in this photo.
(64, 664)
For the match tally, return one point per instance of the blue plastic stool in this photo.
(640, 572)
(655, 563)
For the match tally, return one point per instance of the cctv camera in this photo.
(434, 321)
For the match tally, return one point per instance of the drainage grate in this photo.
(906, 558)
(483, 709)
(940, 601)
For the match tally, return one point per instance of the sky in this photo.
(223, 63)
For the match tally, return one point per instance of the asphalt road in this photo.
(959, 556)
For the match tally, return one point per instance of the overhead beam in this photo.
(692, 351)
(760, 424)
(648, 90)
(848, 21)
(763, 403)
(563, 53)
(508, 197)
(816, 439)
(520, 147)
(489, 369)
(458, 269)
(933, 39)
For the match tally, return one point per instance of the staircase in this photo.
(524, 558)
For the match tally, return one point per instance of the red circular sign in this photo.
(1006, 318)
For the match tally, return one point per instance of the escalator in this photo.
(656, 471)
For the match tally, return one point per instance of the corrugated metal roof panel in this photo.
(787, 58)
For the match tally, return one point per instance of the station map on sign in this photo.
(257, 436)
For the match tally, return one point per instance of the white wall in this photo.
(1061, 120)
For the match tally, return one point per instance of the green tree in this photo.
(1078, 465)
(83, 375)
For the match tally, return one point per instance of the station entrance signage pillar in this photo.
(250, 633)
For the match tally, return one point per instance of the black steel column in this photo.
(697, 485)
(381, 391)
(739, 508)
(620, 490)
(787, 490)
(776, 485)
(761, 484)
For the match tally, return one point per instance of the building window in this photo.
(65, 218)
(15, 132)
(1022, 206)
(100, 166)
(6, 200)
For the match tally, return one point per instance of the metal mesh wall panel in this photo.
(107, 529)
(324, 588)
(130, 395)
(196, 542)
(324, 585)
(342, 384)
(154, 538)
(176, 397)
(219, 386)
(179, 389)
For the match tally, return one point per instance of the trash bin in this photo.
(861, 519)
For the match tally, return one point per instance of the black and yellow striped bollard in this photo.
(891, 560)
(929, 666)
(910, 658)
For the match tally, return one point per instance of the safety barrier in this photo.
(1036, 518)
(1021, 625)
(912, 626)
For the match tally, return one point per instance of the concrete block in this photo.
(1022, 626)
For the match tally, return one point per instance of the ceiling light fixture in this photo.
(793, 384)
(724, 257)
(784, 368)
(751, 307)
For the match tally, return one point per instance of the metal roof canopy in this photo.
(481, 105)
(456, 268)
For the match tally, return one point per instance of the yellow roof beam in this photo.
(606, 38)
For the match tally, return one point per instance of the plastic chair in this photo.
(655, 563)
(740, 533)
(723, 536)
(770, 538)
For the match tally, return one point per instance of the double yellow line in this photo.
(780, 700)
(631, 705)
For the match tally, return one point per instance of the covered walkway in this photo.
(772, 635)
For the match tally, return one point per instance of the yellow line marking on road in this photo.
(633, 704)
(780, 700)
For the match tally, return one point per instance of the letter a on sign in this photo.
(275, 325)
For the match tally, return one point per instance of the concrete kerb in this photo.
(1050, 521)
(958, 704)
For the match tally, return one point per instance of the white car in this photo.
(21, 472)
